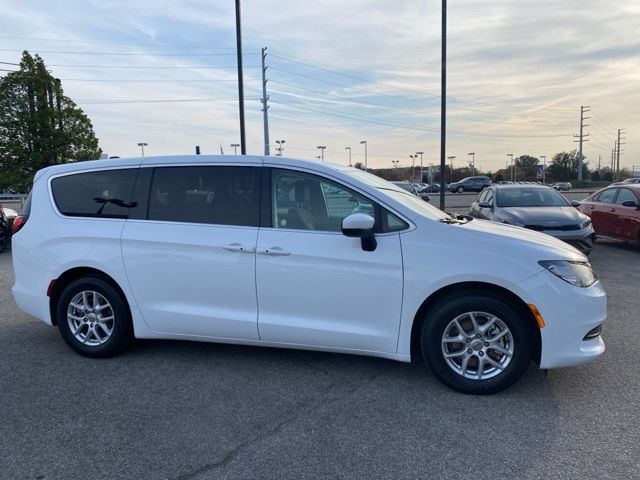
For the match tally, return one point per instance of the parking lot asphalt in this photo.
(184, 410)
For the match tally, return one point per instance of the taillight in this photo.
(18, 223)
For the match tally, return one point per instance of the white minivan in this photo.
(289, 253)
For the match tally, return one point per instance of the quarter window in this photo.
(302, 201)
(213, 195)
(105, 193)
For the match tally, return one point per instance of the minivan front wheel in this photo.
(93, 318)
(476, 343)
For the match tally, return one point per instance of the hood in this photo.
(547, 216)
(546, 246)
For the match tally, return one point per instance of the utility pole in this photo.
(321, 148)
(599, 166)
(582, 137)
(395, 163)
(544, 169)
(421, 174)
(349, 148)
(364, 142)
(265, 106)
(243, 139)
(443, 104)
(512, 170)
(235, 148)
(280, 147)
(618, 153)
(473, 163)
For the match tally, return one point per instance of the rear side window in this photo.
(105, 193)
(209, 194)
(625, 195)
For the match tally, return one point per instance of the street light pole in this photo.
(544, 168)
(321, 148)
(510, 155)
(443, 103)
(366, 167)
(451, 159)
(235, 148)
(420, 153)
(473, 163)
(142, 145)
(349, 148)
(413, 167)
(243, 140)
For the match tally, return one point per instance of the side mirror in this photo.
(361, 225)
(425, 197)
(630, 203)
(485, 205)
(575, 203)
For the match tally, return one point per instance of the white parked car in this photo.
(289, 253)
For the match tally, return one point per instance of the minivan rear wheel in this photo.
(476, 343)
(93, 318)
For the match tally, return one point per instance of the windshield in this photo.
(405, 186)
(530, 197)
(409, 200)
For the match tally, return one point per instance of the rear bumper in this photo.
(35, 305)
(569, 313)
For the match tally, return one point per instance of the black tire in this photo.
(438, 317)
(122, 331)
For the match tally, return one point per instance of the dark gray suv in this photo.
(470, 184)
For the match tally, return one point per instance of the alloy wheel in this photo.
(477, 345)
(91, 318)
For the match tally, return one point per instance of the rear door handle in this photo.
(274, 251)
(237, 247)
(612, 210)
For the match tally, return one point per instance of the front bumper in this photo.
(581, 239)
(569, 313)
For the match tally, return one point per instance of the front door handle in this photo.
(237, 247)
(612, 210)
(274, 251)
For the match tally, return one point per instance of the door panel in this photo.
(190, 261)
(328, 291)
(627, 221)
(316, 286)
(601, 215)
(187, 280)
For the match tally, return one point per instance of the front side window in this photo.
(218, 195)
(626, 195)
(105, 193)
(301, 201)
(606, 196)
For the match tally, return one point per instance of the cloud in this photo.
(517, 73)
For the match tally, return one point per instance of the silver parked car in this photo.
(536, 207)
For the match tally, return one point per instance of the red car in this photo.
(615, 212)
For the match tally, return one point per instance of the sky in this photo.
(340, 72)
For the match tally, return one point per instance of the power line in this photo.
(194, 67)
(177, 100)
(364, 102)
(154, 54)
(412, 127)
(355, 77)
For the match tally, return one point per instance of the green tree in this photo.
(39, 125)
(564, 167)
(526, 167)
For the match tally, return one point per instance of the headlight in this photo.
(585, 224)
(511, 221)
(579, 274)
